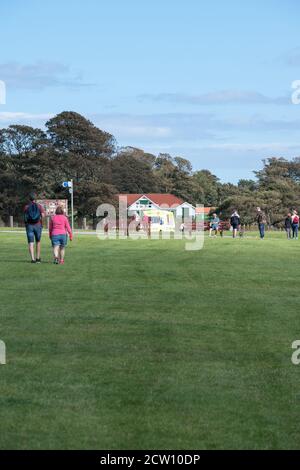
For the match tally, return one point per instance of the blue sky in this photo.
(206, 80)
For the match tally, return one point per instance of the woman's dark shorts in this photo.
(59, 240)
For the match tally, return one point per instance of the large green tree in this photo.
(24, 166)
(132, 175)
(206, 188)
(81, 152)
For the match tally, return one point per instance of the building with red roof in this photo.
(137, 203)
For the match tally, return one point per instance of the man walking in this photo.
(261, 220)
(288, 226)
(235, 223)
(33, 217)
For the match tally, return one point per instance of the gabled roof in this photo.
(205, 210)
(187, 203)
(159, 199)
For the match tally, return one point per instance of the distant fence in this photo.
(90, 224)
(18, 222)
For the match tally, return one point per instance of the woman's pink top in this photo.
(59, 225)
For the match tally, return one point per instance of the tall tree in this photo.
(24, 164)
(206, 188)
(83, 150)
(132, 175)
(164, 170)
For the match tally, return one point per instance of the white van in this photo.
(160, 220)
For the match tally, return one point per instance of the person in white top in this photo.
(295, 224)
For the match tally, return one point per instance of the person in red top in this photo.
(59, 227)
(33, 218)
(295, 224)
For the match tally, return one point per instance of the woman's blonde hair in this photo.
(59, 210)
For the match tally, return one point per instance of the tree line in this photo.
(72, 147)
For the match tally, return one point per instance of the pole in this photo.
(72, 206)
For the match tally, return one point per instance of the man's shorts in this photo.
(59, 240)
(34, 232)
(214, 227)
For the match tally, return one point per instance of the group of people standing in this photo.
(261, 221)
(291, 223)
(59, 229)
(235, 223)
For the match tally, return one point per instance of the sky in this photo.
(210, 81)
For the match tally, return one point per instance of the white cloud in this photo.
(162, 127)
(39, 76)
(12, 117)
(144, 131)
(276, 147)
(130, 126)
(216, 98)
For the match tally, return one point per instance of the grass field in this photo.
(141, 344)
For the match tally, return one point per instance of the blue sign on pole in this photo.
(67, 184)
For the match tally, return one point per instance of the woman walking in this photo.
(235, 222)
(59, 227)
(295, 224)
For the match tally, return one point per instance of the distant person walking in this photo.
(235, 223)
(33, 218)
(59, 228)
(214, 225)
(295, 224)
(288, 226)
(261, 221)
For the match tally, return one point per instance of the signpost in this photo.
(50, 205)
(69, 184)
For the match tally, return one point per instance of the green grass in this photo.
(141, 344)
